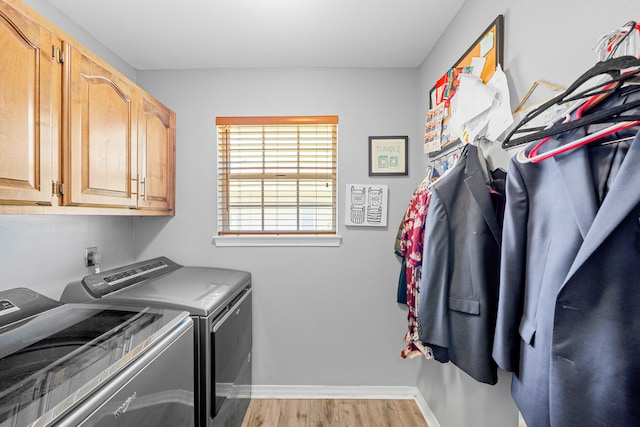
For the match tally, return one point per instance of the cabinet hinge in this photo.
(57, 54)
(57, 188)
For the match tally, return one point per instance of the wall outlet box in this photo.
(89, 260)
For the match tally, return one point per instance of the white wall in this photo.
(544, 40)
(323, 316)
(60, 20)
(45, 252)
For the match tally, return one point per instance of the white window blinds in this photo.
(277, 175)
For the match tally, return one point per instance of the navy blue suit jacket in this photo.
(569, 310)
(458, 293)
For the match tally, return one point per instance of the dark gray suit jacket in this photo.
(569, 310)
(460, 269)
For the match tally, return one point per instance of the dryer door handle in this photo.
(229, 311)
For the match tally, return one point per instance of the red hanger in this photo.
(611, 67)
(534, 157)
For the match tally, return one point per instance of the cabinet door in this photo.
(99, 133)
(25, 110)
(157, 145)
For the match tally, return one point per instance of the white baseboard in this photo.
(337, 392)
(429, 417)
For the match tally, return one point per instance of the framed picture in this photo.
(388, 155)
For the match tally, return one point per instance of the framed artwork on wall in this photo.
(388, 155)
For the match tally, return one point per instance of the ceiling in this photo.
(174, 34)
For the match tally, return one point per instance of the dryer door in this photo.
(232, 362)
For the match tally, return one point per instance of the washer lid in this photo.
(54, 360)
(198, 290)
(21, 303)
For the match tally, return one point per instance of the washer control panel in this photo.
(106, 282)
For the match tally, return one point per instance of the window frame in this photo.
(264, 237)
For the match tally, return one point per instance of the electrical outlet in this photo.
(89, 255)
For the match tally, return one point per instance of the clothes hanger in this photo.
(609, 44)
(626, 38)
(615, 141)
(611, 115)
(579, 112)
(534, 157)
(427, 179)
(429, 172)
(456, 159)
(537, 86)
(607, 48)
(611, 67)
(625, 122)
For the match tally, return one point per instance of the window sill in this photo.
(278, 240)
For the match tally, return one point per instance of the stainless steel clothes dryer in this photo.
(219, 302)
(93, 364)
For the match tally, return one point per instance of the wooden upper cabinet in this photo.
(26, 85)
(156, 156)
(71, 125)
(99, 135)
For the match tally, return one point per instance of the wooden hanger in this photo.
(529, 96)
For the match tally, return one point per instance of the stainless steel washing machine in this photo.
(219, 302)
(93, 364)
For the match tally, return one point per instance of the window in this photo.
(277, 175)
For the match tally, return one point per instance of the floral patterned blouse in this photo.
(411, 244)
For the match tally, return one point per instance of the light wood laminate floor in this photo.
(333, 413)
